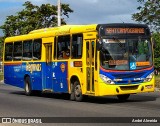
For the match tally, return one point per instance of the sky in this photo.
(85, 11)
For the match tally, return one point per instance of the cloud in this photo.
(101, 11)
(15, 1)
(85, 11)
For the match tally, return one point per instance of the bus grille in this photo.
(135, 87)
(127, 82)
(130, 76)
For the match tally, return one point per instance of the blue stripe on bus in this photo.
(129, 76)
(43, 76)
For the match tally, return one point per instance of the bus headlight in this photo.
(106, 79)
(149, 77)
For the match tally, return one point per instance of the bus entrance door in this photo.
(48, 69)
(90, 63)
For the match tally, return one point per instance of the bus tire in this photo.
(123, 97)
(72, 95)
(28, 88)
(77, 91)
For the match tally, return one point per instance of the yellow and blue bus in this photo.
(93, 60)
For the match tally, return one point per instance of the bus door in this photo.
(48, 68)
(90, 65)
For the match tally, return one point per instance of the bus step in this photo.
(47, 90)
(90, 93)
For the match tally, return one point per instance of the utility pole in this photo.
(59, 13)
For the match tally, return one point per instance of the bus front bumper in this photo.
(108, 89)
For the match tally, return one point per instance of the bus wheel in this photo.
(77, 91)
(123, 97)
(28, 89)
(72, 95)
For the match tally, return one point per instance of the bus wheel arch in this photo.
(76, 91)
(27, 85)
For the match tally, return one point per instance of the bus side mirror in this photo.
(99, 46)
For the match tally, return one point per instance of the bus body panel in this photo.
(78, 72)
(107, 89)
(60, 76)
(56, 75)
(39, 75)
(35, 73)
(133, 83)
(13, 74)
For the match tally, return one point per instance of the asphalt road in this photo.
(14, 103)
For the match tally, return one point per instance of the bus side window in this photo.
(77, 44)
(37, 44)
(27, 50)
(8, 51)
(63, 47)
(17, 53)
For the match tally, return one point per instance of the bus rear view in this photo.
(126, 60)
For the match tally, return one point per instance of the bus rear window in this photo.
(8, 51)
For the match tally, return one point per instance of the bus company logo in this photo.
(21, 120)
(129, 81)
(63, 67)
(6, 120)
(33, 67)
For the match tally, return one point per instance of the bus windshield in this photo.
(126, 54)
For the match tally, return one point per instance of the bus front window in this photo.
(126, 54)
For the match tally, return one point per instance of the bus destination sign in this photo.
(125, 30)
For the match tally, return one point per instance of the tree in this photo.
(156, 37)
(1, 48)
(149, 13)
(34, 17)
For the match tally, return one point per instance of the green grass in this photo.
(157, 81)
(1, 76)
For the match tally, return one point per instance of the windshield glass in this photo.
(126, 54)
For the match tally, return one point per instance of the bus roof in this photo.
(53, 31)
(68, 29)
